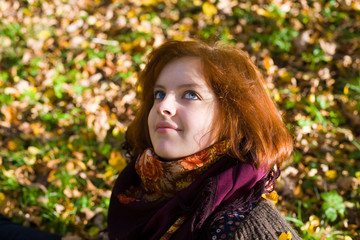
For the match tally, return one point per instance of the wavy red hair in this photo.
(247, 118)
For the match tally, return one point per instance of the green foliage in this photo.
(333, 205)
(355, 87)
(67, 83)
(315, 57)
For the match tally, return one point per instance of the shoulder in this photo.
(263, 222)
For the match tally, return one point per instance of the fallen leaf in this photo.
(331, 175)
(209, 9)
(285, 236)
(117, 161)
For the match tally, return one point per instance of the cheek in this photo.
(151, 118)
(201, 123)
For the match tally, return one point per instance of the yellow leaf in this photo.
(217, 20)
(80, 164)
(93, 231)
(268, 63)
(64, 44)
(298, 192)
(126, 46)
(108, 174)
(143, 17)
(12, 145)
(347, 238)
(138, 89)
(314, 223)
(33, 150)
(197, 2)
(30, 160)
(184, 27)
(357, 175)
(285, 76)
(285, 236)
(346, 90)
(277, 96)
(44, 34)
(209, 9)
(148, 2)
(27, 12)
(130, 14)
(178, 37)
(51, 176)
(117, 161)
(9, 173)
(356, 5)
(314, 220)
(273, 196)
(84, 44)
(263, 12)
(99, 24)
(2, 198)
(312, 98)
(118, 130)
(37, 128)
(331, 175)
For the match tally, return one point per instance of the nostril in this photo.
(167, 112)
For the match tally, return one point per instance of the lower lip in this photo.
(165, 130)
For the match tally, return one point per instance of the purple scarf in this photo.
(226, 186)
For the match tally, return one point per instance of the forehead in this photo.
(185, 70)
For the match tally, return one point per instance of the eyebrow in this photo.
(187, 85)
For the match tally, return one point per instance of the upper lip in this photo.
(166, 125)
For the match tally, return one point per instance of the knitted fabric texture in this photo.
(264, 222)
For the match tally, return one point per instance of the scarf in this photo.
(161, 180)
(152, 198)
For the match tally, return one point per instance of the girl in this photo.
(205, 145)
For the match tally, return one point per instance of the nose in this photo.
(167, 106)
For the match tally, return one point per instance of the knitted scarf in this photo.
(180, 199)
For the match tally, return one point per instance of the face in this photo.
(180, 121)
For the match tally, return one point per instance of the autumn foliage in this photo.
(67, 93)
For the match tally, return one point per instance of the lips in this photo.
(163, 127)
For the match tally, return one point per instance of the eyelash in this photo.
(187, 92)
(193, 92)
(156, 92)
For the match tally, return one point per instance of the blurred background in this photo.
(68, 70)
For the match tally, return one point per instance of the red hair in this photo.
(247, 117)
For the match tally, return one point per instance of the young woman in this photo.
(205, 146)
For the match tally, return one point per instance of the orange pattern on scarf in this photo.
(161, 180)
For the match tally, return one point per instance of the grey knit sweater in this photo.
(264, 222)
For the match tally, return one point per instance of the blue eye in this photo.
(191, 95)
(159, 95)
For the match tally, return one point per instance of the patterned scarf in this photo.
(162, 180)
(181, 199)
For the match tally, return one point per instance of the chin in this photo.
(165, 149)
(167, 155)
